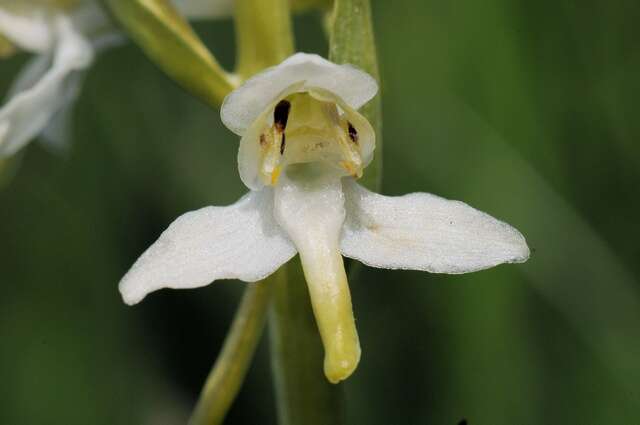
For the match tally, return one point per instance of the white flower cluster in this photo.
(64, 36)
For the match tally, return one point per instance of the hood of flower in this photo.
(302, 111)
(303, 72)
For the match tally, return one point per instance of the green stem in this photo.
(226, 376)
(263, 34)
(352, 41)
(303, 393)
(168, 39)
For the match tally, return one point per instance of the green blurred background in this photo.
(525, 110)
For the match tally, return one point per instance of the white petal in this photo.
(31, 31)
(88, 19)
(204, 9)
(243, 106)
(421, 231)
(311, 211)
(241, 241)
(30, 74)
(40, 92)
(250, 151)
(57, 134)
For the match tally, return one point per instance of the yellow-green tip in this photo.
(341, 361)
(331, 302)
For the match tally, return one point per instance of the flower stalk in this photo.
(228, 373)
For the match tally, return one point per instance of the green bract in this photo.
(352, 41)
(168, 39)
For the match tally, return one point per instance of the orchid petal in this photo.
(57, 133)
(250, 150)
(311, 211)
(91, 19)
(244, 105)
(40, 92)
(30, 31)
(240, 241)
(421, 231)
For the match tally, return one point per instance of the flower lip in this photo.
(245, 104)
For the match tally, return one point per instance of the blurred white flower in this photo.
(303, 146)
(50, 82)
(65, 36)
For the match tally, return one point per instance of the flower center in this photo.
(307, 128)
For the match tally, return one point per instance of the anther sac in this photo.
(281, 114)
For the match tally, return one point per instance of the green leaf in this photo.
(352, 41)
(170, 42)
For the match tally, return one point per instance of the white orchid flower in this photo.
(64, 35)
(303, 146)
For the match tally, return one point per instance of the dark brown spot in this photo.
(263, 140)
(353, 134)
(282, 144)
(281, 115)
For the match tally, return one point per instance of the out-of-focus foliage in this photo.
(525, 110)
(166, 36)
